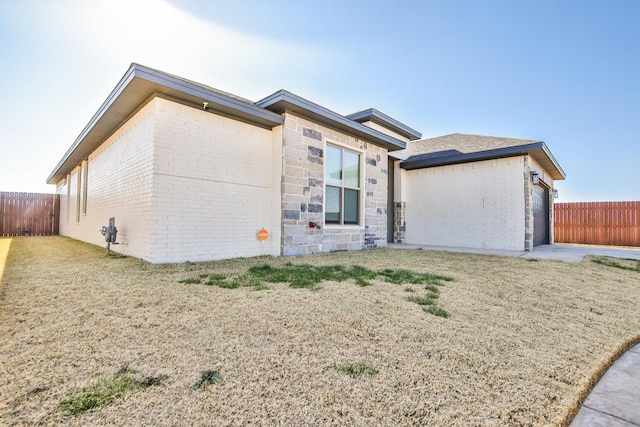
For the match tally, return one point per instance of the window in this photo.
(78, 193)
(85, 177)
(68, 182)
(342, 186)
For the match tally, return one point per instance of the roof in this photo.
(382, 119)
(283, 100)
(461, 148)
(139, 84)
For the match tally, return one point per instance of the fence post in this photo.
(56, 215)
(1, 214)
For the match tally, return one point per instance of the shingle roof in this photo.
(465, 143)
(461, 148)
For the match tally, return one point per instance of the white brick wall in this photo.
(212, 188)
(183, 184)
(477, 205)
(119, 184)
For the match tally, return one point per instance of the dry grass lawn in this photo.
(524, 341)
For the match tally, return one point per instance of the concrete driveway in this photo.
(560, 252)
(576, 253)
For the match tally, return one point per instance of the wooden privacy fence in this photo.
(29, 214)
(598, 223)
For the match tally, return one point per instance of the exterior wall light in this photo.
(555, 193)
(535, 178)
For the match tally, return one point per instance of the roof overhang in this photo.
(538, 151)
(283, 101)
(382, 119)
(137, 86)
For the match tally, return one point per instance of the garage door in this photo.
(540, 215)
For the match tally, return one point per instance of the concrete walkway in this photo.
(615, 400)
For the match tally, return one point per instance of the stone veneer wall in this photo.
(399, 225)
(303, 191)
(528, 206)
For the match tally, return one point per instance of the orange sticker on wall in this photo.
(263, 234)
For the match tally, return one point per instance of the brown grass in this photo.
(523, 344)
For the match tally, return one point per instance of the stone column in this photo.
(528, 206)
(399, 227)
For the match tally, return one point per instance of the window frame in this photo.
(68, 184)
(360, 204)
(78, 194)
(85, 178)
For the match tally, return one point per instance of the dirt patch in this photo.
(523, 341)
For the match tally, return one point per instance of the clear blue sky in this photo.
(564, 72)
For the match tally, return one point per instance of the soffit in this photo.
(283, 101)
(386, 121)
(141, 84)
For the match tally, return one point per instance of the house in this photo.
(194, 173)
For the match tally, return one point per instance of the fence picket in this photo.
(598, 223)
(32, 214)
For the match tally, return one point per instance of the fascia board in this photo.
(422, 161)
(537, 150)
(560, 174)
(133, 90)
(283, 100)
(216, 100)
(386, 121)
(122, 84)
